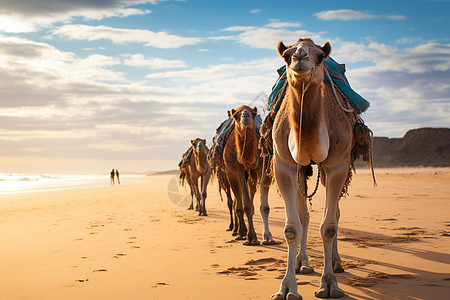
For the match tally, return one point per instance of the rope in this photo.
(335, 94)
(309, 197)
(245, 141)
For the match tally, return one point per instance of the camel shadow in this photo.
(360, 268)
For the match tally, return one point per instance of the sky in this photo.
(87, 86)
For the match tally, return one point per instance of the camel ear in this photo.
(233, 111)
(204, 141)
(281, 48)
(255, 110)
(326, 49)
(192, 142)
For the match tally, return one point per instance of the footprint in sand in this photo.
(100, 270)
(159, 284)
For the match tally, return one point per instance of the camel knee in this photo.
(265, 210)
(248, 210)
(291, 234)
(328, 232)
(204, 195)
(239, 212)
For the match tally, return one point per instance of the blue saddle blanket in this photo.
(337, 74)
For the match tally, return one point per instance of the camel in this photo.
(312, 126)
(218, 168)
(242, 164)
(194, 167)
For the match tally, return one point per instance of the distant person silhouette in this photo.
(112, 177)
(117, 175)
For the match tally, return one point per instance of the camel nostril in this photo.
(300, 53)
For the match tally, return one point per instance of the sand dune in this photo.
(132, 242)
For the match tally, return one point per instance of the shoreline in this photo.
(58, 182)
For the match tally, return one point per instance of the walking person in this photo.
(112, 177)
(117, 175)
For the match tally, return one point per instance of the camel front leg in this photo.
(204, 181)
(286, 178)
(335, 179)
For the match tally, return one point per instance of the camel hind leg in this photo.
(204, 184)
(337, 263)
(264, 207)
(230, 209)
(302, 265)
(249, 209)
(198, 196)
(238, 208)
(192, 192)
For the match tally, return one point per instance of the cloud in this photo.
(138, 60)
(55, 103)
(407, 88)
(410, 40)
(120, 36)
(267, 38)
(255, 11)
(20, 16)
(422, 58)
(349, 14)
(277, 24)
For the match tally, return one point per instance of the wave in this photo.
(20, 182)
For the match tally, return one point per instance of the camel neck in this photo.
(246, 144)
(200, 161)
(312, 107)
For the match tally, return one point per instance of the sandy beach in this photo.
(132, 242)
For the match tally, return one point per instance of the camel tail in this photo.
(370, 160)
(182, 178)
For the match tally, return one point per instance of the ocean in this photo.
(21, 183)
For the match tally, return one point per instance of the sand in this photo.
(131, 242)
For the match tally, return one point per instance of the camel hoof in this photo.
(240, 238)
(278, 296)
(336, 293)
(292, 296)
(252, 243)
(272, 242)
(229, 229)
(190, 208)
(234, 233)
(321, 293)
(306, 270)
(338, 269)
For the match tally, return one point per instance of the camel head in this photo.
(199, 145)
(304, 60)
(245, 136)
(244, 117)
